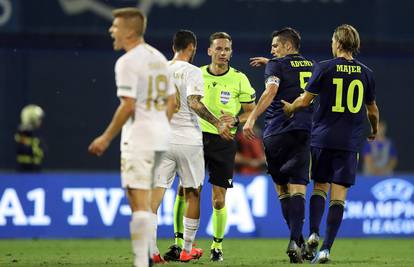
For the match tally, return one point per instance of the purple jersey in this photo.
(291, 73)
(343, 86)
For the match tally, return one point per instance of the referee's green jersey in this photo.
(225, 92)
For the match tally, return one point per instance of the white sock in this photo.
(153, 235)
(190, 231)
(139, 228)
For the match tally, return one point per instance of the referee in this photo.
(226, 92)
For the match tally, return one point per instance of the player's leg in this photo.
(296, 168)
(284, 198)
(191, 224)
(274, 161)
(316, 210)
(173, 252)
(321, 174)
(344, 164)
(191, 169)
(137, 170)
(157, 194)
(140, 224)
(179, 209)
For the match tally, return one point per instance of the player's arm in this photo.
(303, 101)
(264, 102)
(171, 106)
(258, 61)
(194, 102)
(125, 109)
(373, 117)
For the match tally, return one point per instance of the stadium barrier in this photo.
(87, 205)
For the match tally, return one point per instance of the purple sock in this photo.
(296, 216)
(316, 209)
(284, 203)
(336, 211)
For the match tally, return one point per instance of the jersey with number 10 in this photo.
(343, 87)
(290, 73)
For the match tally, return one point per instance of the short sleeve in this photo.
(247, 93)
(126, 79)
(273, 73)
(195, 83)
(370, 92)
(314, 84)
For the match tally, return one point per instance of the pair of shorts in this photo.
(185, 160)
(219, 155)
(288, 157)
(138, 168)
(334, 166)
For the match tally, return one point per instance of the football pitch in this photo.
(237, 252)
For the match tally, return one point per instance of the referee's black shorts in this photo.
(219, 157)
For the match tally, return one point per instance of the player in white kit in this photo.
(147, 102)
(185, 156)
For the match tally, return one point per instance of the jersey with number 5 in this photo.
(142, 74)
(343, 86)
(290, 74)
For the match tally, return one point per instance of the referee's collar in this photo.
(224, 73)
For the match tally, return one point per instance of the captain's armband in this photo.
(272, 80)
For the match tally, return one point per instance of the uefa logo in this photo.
(393, 189)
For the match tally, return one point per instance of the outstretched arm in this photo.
(264, 102)
(258, 61)
(125, 109)
(303, 101)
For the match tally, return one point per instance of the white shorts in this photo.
(138, 168)
(185, 160)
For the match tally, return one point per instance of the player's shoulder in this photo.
(365, 67)
(327, 64)
(237, 73)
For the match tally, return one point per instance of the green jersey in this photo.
(225, 92)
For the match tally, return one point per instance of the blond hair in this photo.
(348, 38)
(134, 18)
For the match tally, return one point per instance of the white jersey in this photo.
(188, 80)
(142, 73)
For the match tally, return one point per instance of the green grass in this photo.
(237, 252)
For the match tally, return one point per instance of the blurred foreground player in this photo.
(147, 103)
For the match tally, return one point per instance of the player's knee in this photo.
(192, 194)
(218, 203)
(321, 187)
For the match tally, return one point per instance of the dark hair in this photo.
(182, 39)
(288, 34)
(219, 35)
(348, 38)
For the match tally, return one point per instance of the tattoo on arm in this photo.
(194, 102)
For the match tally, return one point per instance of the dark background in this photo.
(57, 54)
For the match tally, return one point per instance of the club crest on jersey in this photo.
(225, 97)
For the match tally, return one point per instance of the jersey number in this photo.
(177, 99)
(302, 76)
(350, 96)
(161, 86)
